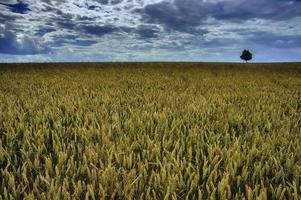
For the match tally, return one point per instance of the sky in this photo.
(149, 30)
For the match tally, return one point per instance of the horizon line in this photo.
(104, 62)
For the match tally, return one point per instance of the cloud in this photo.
(179, 14)
(8, 2)
(147, 31)
(19, 7)
(275, 41)
(150, 29)
(98, 30)
(11, 43)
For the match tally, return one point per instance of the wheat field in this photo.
(150, 131)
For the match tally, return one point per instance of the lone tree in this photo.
(246, 55)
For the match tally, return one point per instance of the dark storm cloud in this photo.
(181, 14)
(172, 15)
(276, 41)
(265, 9)
(98, 30)
(147, 31)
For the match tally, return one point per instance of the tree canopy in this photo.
(246, 55)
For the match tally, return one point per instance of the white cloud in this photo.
(9, 2)
(60, 25)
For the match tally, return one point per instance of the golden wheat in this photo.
(150, 131)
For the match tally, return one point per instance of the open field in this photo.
(150, 131)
